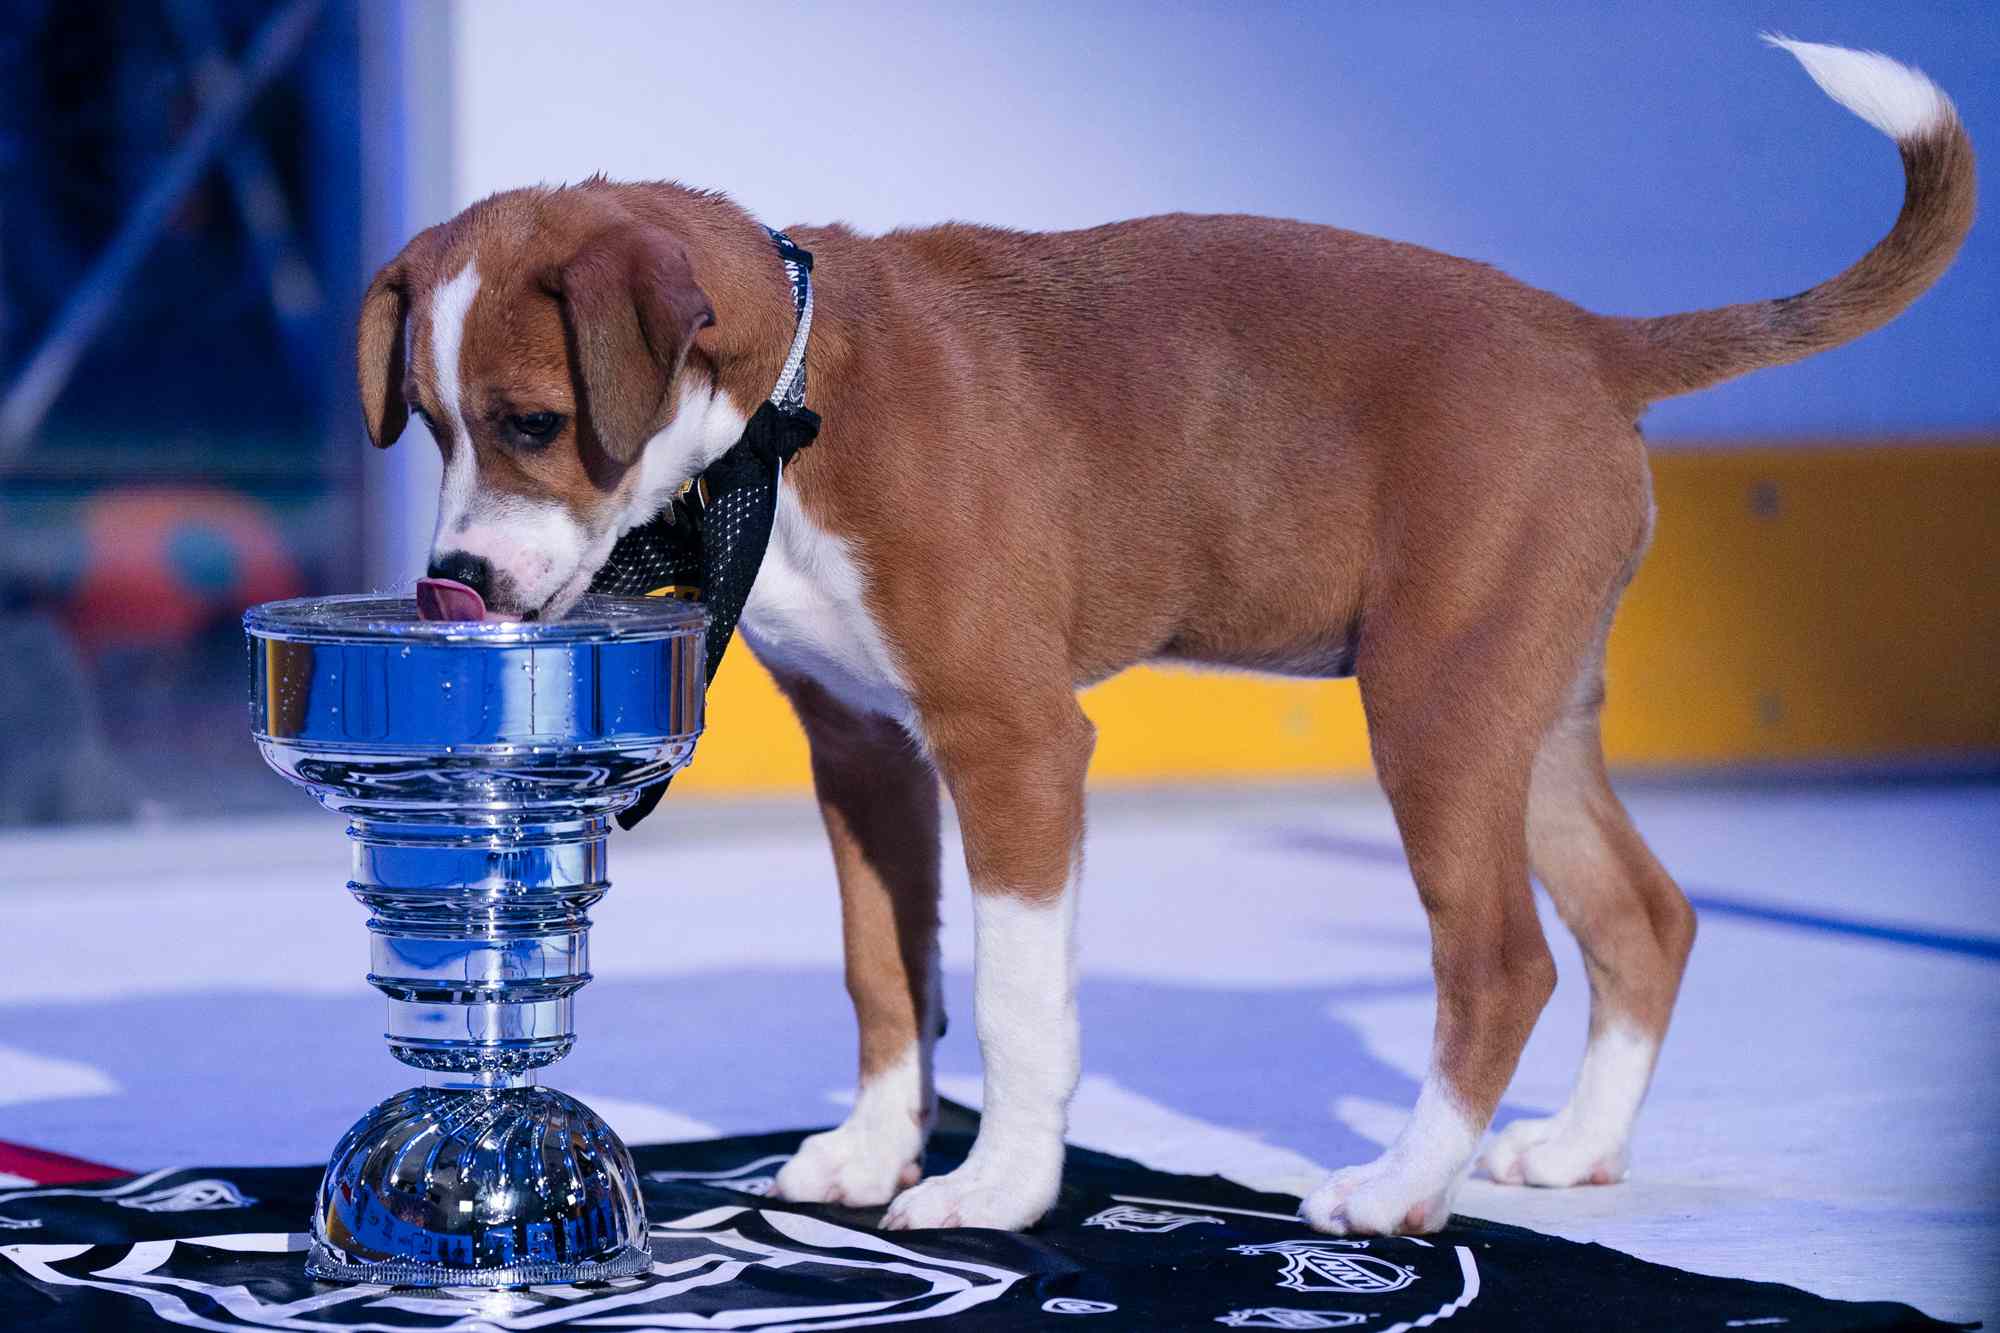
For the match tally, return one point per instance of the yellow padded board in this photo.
(1800, 604)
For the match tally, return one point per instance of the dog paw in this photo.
(1383, 1198)
(1554, 1154)
(977, 1195)
(855, 1165)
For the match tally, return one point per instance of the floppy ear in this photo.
(630, 307)
(379, 352)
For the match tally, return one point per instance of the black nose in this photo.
(464, 567)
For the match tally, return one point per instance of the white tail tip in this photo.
(1894, 98)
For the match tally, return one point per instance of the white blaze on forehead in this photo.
(530, 545)
(449, 307)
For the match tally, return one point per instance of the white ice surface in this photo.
(1827, 1111)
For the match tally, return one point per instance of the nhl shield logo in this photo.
(1334, 1265)
(1124, 1217)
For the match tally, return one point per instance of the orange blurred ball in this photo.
(162, 563)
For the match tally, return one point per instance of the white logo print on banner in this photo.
(694, 1254)
(1076, 1305)
(197, 1196)
(143, 1193)
(1332, 1265)
(1126, 1218)
(756, 1177)
(1272, 1316)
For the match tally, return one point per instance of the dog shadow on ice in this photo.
(265, 1079)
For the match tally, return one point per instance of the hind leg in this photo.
(1454, 721)
(1635, 927)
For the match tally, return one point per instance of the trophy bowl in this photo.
(479, 765)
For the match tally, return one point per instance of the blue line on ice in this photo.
(1348, 847)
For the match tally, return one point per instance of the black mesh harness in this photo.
(709, 541)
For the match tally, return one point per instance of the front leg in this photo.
(878, 796)
(1015, 768)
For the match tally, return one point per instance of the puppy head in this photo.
(548, 340)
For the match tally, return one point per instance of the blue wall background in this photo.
(1637, 158)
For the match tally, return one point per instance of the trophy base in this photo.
(326, 1264)
(479, 1187)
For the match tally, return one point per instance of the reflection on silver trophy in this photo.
(479, 766)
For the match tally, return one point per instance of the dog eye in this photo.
(535, 427)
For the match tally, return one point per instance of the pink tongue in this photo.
(448, 599)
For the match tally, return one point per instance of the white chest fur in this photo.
(806, 616)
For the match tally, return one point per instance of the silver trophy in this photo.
(479, 765)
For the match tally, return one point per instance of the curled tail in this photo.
(1676, 354)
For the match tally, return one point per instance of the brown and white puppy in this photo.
(1225, 440)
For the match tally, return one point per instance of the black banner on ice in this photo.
(1125, 1248)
